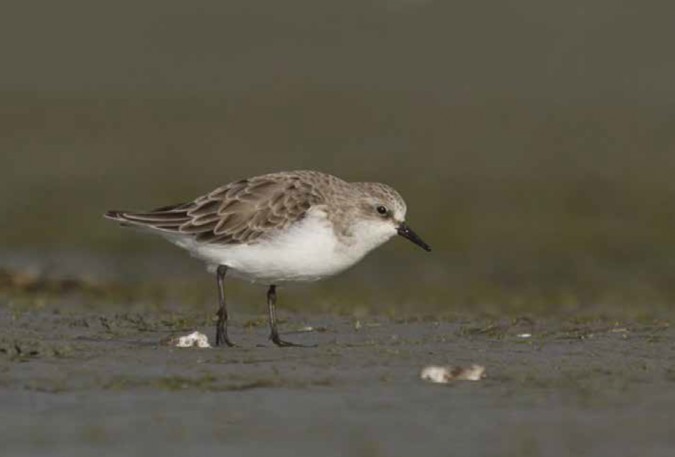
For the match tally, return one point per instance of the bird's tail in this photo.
(114, 215)
(166, 219)
(119, 216)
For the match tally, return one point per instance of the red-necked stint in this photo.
(280, 227)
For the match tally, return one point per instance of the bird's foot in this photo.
(286, 344)
(223, 340)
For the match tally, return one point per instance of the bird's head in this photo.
(381, 214)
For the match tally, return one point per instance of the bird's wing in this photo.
(240, 212)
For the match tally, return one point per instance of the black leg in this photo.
(221, 326)
(274, 333)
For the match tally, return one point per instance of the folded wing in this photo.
(241, 212)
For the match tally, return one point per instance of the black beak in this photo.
(405, 232)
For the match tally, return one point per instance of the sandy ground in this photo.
(76, 383)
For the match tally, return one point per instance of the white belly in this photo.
(308, 251)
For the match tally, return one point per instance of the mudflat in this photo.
(82, 381)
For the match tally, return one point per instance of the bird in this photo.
(277, 228)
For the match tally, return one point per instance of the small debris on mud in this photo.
(309, 329)
(443, 375)
(194, 339)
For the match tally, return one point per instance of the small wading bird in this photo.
(277, 228)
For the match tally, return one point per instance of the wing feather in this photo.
(241, 212)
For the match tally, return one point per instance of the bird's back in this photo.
(239, 212)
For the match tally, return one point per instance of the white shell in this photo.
(445, 374)
(194, 339)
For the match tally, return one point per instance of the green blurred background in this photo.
(534, 141)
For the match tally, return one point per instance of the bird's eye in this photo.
(382, 210)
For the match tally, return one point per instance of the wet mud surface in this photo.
(75, 383)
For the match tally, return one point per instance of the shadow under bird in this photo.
(276, 228)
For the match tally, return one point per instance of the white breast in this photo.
(307, 251)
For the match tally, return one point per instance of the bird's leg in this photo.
(221, 326)
(274, 333)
